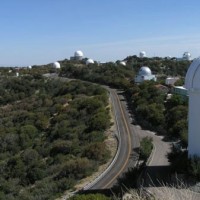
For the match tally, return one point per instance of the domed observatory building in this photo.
(56, 65)
(186, 56)
(89, 61)
(78, 55)
(142, 54)
(192, 83)
(122, 63)
(144, 74)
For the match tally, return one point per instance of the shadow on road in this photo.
(106, 192)
(151, 176)
(124, 182)
(156, 176)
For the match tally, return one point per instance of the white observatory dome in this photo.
(89, 61)
(56, 65)
(142, 54)
(187, 56)
(144, 71)
(78, 54)
(122, 63)
(192, 79)
(30, 67)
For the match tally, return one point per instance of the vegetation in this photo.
(146, 147)
(149, 103)
(106, 74)
(182, 165)
(44, 151)
(90, 197)
(51, 135)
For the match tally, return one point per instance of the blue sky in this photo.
(44, 31)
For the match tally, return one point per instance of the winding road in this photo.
(127, 142)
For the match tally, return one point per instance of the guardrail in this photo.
(114, 159)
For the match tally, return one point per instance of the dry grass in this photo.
(177, 192)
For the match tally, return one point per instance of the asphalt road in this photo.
(128, 143)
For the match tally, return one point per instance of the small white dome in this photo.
(187, 56)
(192, 79)
(122, 63)
(30, 67)
(168, 57)
(144, 71)
(89, 61)
(56, 65)
(78, 54)
(142, 54)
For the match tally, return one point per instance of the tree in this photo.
(97, 152)
(99, 121)
(27, 134)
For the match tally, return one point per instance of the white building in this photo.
(89, 61)
(192, 83)
(171, 80)
(142, 54)
(78, 55)
(144, 74)
(186, 56)
(180, 90)
(122, 63)
(56, 65)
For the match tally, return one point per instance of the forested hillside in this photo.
(51, 135)
(106, 74)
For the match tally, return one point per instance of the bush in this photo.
(90, 197)
(146, 147)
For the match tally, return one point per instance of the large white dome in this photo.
(78, 54)
(89, 61)
(56, 65)
(142, 54)
(144, 71)
(192, 79)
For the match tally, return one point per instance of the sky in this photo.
(43, 31)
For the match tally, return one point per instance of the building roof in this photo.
(122, 63)
(56, 65)
(78, 54)
(144, 71)
(142, 54)
(192, 79)
(89, 61)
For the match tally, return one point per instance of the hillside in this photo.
(51, 135)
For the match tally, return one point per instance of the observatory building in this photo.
(78, 55)
(192, 83)
(142, 54)
(89, 61)
(56, 65)
(122, 63)
(144, 74)
(186, 56)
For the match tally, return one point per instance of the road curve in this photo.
(124, 131)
